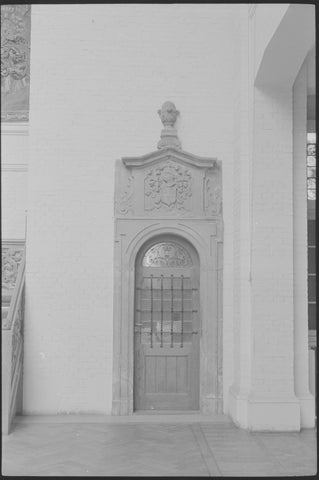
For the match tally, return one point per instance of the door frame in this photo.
(206, 239)
(195, 268)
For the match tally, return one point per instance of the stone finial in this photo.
(168, 114)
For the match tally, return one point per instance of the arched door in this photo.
(166, 327)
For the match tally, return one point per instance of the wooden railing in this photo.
(13, 274)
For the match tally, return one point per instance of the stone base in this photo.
(120, 407)
(307, 411)
(265, 414)
(211, 405)
(238, 408)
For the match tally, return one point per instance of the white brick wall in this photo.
(99, 74)
(14, 165)
(13, 204)
(241, 213)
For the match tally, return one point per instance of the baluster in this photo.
(151, 311)
(182, 310)
(161, 310)
(172, 310)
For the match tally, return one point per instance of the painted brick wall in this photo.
(14, 165)
(99, 75)
(241, 212)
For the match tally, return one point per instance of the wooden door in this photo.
(166, 329)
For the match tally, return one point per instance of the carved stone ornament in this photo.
(168, 188)
(168, 115)
(10, 264)
(125, 202)
(213, 195)
(167, 254)
(16, 335)
(15, 62)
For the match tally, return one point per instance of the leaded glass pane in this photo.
(311, 160)
(311, 137)
(311, 288)
(311, 183)
(311, 260)
(311, 172)
(311, 232)
(311, 165)
(167, 254)
(311, 195)
(312, 316)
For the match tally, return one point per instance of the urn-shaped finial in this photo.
(168, 114)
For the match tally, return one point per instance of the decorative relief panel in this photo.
(124, 204)
(11, 260)
(15, 62)
(167, 254)
(168, 188)
(212, 194)
(16, 335)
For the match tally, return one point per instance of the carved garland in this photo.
(11, 260)
(213, 195)
(125, 202)
(15, 62)
(16, 337)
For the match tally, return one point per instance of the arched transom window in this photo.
(167, 254)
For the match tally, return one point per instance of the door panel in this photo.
(166, 333)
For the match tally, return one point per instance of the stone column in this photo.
(272, 404)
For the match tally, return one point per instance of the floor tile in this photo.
(154, 449)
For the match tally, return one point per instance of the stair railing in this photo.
(12, 338)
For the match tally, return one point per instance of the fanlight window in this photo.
(167, 254)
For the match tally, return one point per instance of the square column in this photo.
(272, 404)
(269, 402)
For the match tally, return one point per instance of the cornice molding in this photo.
(11, 243)
(15, 128)
(173, 154)
(14, 167)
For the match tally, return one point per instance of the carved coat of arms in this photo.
(168, 187)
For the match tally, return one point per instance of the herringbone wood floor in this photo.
(155, 449)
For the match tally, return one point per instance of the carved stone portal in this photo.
(165, 199)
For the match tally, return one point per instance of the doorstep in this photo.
(136, 418)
